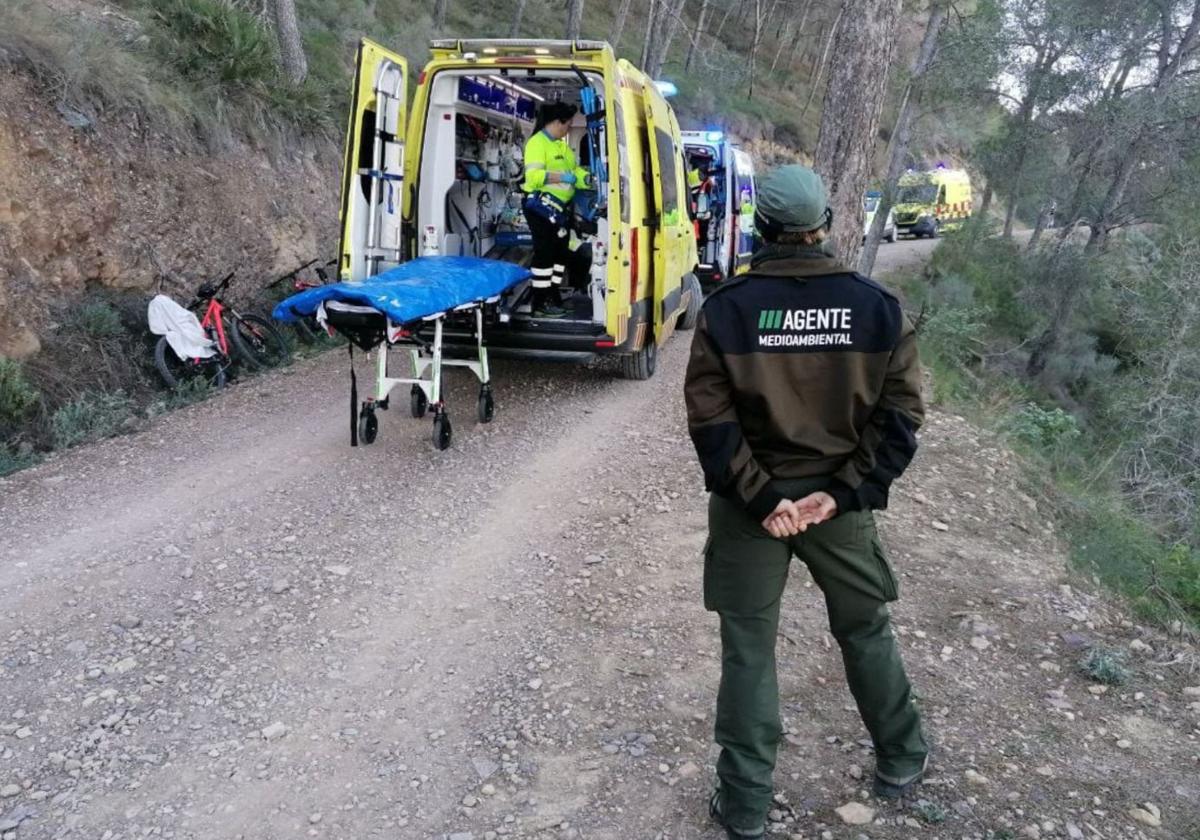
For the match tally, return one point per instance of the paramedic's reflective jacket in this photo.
(543, 154)
(803, 368)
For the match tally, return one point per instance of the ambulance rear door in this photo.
(373, 165)
(671, 230)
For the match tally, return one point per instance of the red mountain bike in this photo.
(256, 342)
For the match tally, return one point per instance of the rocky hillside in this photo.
(110, 205)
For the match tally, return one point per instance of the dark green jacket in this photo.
(803, 368)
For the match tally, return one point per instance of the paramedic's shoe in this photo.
(889, 788)
(714, 811)
(549, 310)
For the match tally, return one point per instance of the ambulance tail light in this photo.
(605, 343)
(633, 265)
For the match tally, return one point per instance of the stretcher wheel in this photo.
(418, 403)
(442, 432)
(368, 426)
(487, 406)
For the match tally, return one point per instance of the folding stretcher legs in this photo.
(425, 392)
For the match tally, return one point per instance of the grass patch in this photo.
(17, 396)
(98, 319)
(188, 392)
(91, 417)
(1105, 666)
(13, 459)
(930, 812)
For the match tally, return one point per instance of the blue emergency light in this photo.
(714, 136)
(667, 89)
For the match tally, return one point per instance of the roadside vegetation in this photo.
(93, 379)
(213, 69)
(1107, 416)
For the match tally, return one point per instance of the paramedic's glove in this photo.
(566, 178)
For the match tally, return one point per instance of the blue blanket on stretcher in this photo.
(413, 290)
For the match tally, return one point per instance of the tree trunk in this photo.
(902, 135)
(733, 4)
(758, 28)
(619, 25)
(440, 7)
(783, 42)
(1115, 195)
(670, 12)
(648, 41)
(1038, 229)
(699, 33)
(819, 70)
(291, 46)
(1047, 57)
(574, 19)
(850, 119)
(799, 37)
(516, 24)
(985, 203)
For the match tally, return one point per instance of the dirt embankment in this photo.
(112, 205)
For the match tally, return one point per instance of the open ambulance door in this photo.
(373, 166)
(671, 228)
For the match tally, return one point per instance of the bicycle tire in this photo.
(258, 343)
(176, 371)
(307, 331)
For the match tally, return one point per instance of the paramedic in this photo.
(793, 476)
(551, 175)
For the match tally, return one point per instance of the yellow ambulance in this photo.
(442, 175)
(928, 203)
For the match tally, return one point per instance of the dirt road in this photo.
(233, 625)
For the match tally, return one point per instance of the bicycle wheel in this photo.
(308, 331)
(258, 343)
(177, 372)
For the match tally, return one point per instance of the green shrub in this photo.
(930, 812)
(1043, 428)
(1105, 666)
(952, 334)
(212, 40)
(92, 416)
(13, 459)
(17, 396)
(188, 392)
(98, 319)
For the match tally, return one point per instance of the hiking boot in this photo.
(888, 788)
(733, 833)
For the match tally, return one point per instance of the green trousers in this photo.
(745, 571)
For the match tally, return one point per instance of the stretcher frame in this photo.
(428, 363)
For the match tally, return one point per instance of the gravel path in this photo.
(233, 625)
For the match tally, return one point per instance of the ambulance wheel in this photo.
(368, 426)
(442, 432)
(937, 230)
(487, 406)
(640, 365)
(418, 403)
(691, 315)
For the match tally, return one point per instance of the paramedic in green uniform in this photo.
(803, 397)
(551, 176)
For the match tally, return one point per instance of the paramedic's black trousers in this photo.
(550, 252)
(745, 570)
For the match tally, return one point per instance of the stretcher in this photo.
(407, 307)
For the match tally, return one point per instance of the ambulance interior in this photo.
(469, 197)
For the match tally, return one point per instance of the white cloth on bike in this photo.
(181, 328)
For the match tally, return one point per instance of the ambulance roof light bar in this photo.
(516, 46)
